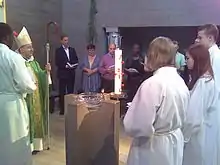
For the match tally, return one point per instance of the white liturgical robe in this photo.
(14, 119)
(155, 118)
(215, 61)
(201, 125)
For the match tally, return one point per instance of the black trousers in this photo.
(66, 86)
(107, 85)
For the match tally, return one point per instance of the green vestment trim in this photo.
(37, 102)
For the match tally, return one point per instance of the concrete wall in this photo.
(34, 14)
(135, 13)
(72, 15)
(158, 12)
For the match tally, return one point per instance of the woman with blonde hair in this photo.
(155, 117)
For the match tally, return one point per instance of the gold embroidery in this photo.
(37, 112)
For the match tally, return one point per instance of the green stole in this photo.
(37, 102)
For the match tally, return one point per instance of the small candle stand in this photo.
(122, 98)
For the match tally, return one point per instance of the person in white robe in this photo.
(14, 120)
(200, 128)
(208, 35)
(156, 114)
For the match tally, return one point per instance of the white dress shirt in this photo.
(67, 52)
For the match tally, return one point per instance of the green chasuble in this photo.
(37, 106)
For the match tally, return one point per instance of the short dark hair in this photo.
(63, 36)
(210, 29)
(5, 31)
(90, 46)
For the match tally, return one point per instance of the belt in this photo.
(166, 133)
(8, 93)
(13, 94)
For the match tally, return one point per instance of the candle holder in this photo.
(122, 95)
(122, 98)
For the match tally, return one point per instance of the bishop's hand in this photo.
(48, 67)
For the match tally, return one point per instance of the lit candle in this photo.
(118, 71)
(102, 92)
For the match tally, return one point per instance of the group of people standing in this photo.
(98, 72)
(173, 122)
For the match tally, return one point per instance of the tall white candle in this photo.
(118, 71)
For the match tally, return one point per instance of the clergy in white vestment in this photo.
(200, 128)
(14, 120)
(208, 35)
(156, 114)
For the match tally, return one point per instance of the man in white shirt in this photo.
(207, 36)
(66, 61)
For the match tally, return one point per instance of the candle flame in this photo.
(102, 91)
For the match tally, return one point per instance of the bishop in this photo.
(37, 101)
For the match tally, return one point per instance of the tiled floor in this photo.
(56, 154)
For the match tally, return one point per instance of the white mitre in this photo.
(23, 38)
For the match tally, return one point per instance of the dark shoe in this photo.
(34, 152)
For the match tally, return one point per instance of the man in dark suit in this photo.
(66, 61)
